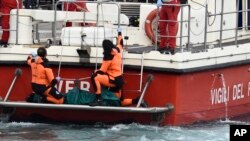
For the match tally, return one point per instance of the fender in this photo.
(148, 25)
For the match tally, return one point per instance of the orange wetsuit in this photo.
(109, 72)
(43, 80)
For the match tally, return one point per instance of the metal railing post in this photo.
(237, 18)
(54, 23)
(189, 25)
(181, 28)
(221, 22)
(205, 33)
(17, 21)
(97, 24)
(156, 25)
(119, 15)
(149, 79)
(37, 33)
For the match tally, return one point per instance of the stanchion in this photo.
(149, 79)
(18, 72)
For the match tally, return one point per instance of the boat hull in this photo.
(196, 96)
(81, 117)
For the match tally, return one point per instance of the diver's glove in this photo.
(58, 78)
(159, 3)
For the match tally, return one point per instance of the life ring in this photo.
(148, 25)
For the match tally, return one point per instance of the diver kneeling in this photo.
(43, 81)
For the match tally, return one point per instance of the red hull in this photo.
(197, 96)
(82, 117)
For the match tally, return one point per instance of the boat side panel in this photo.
(79, 117)
(212, 94)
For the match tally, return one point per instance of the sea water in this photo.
(212, 131)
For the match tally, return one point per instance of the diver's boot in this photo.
(97, 101)
(3, 44)
(30, 98)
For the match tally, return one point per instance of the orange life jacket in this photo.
(41, 74)
(112, 67)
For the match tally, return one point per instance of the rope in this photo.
(104, 32)
(215, 6)
(199, 4)
(197, 34)
(60, 62)
(73, 79)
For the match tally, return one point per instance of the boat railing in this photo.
(99, 22)
(222, 14)
(17, 21)
(209, 29)
(16, 14)
(84, 47)
(221, 29)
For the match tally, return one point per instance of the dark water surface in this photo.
(213, 131)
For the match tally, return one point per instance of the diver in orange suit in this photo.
(110, 73)
(75, 6)
(6, 7)
(125, 101)
(43, 81)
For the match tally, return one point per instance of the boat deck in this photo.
(194, 48)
